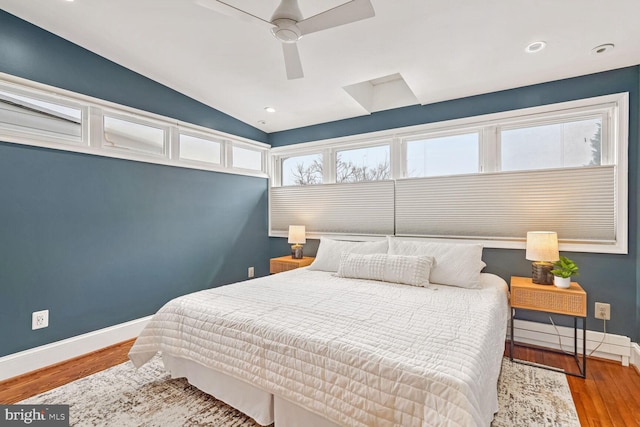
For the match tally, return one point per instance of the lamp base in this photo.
(541, 273)
(296, 251)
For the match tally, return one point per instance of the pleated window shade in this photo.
(359, 208)
(578, 203)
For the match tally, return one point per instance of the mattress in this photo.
(356, 352)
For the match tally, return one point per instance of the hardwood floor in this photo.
(19, 388)
(609, 396)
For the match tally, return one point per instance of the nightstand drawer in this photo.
(286, 263)
(548, 298)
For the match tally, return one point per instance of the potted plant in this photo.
(564, 269)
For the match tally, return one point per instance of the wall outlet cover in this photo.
(39, 319)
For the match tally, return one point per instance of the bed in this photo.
(311, 347)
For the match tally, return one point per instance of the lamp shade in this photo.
(297, 234)
(542, 246)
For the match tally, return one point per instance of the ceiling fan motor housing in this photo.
(286, 30)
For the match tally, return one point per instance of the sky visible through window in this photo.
(448, 155)
(570, 144)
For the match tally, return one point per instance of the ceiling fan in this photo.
(288, 26)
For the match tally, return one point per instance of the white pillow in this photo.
(407, 270)
(329, 251)
(455, 264)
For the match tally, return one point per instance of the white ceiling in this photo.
(443, 49)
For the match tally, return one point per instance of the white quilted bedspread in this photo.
(358, 352)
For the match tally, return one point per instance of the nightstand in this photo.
(526, 295)
(285, 263)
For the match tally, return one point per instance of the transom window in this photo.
(44, 116)
(200, 149)
(302, 170)
(246, 158)
(572, 143)
(444, 155)
(24, 114)
(127, 135)
(363, 164)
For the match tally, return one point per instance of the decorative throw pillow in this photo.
(407, 270)
(455, 264)
(329, 251)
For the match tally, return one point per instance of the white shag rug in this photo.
(123, 397)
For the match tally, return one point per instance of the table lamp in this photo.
(298, 238)
(542, 249)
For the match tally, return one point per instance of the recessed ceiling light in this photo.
(269, 109)
(603, 48)
(535, 47)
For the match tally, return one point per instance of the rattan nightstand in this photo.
(526, 295)
(286, 263)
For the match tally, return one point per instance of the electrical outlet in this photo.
(39, 319)
(603, 311)
(250, 272)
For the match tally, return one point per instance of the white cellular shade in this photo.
(359, 208)
(579, 204)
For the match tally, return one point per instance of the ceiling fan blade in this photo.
(232, 11)
(292, 61)
(352, 11)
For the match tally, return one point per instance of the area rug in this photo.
(123, 397)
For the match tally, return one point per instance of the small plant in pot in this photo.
(564, 269)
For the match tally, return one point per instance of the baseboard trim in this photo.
(614, 347)
(59, 351)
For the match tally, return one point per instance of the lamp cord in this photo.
(604, 336)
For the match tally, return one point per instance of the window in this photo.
(245, 158)
(559, 145)
(487, 178)
(43, 116)
(199, 149)
(445, 155)
(363, 164)
(302, 170)
(132, 136)
(32, 116)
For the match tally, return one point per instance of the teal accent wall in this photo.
(100, 241)
(606, 278)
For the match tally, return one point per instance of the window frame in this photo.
(605, 114)
(194, 134)
(362, 146)
(24, 136)
(613, 108)
(166, 131)
(93, 111)
(404, 142)
(248, 147)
